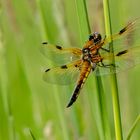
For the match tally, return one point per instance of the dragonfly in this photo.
(95, 56)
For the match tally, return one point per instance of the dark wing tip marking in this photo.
(59, 47)
(44, 42)
(64, 67)
(47, 70)
(121, 53)
(122, 31)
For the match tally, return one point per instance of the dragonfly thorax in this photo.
(86, 54)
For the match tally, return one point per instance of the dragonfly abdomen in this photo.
(85, 70)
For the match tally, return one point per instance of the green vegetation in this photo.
(113, 84)
(33, 109)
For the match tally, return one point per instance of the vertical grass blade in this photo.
(103, 124)
(83, 22)
(114, 88)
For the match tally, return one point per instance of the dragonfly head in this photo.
(95, 37)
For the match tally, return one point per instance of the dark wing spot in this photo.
(64, 67)
(47, 70)
(122, 52)
(76, 65)
(122, 31)
(44, 42)
(59, 47)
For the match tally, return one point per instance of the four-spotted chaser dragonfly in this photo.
(94, 55)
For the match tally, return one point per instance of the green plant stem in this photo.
(103, 124)
(105, 133)
(114, 88)
(83, 21)
(133, 127)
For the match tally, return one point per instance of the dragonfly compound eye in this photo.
(96, 37)
(91, 37)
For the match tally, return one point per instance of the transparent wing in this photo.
(124, 60)
(64, 74)
(128, 36)
(59, 54)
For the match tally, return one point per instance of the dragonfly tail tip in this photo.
(69, 104)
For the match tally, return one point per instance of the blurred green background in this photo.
(27, 103)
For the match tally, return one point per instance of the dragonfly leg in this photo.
(104, 38)
(107, 50)
(106, 65)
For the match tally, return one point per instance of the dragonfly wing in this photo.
(126, 32)
(124, 60)
(127, 37)
(64, 74)
(59, 54)
(127, 58)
